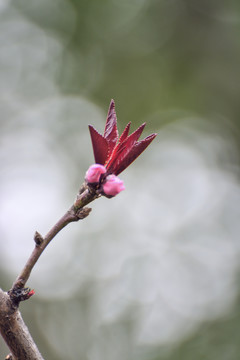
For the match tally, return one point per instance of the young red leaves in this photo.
(115, 152)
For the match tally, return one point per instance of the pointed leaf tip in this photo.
(133, 154)
(123, 148)
(111, 131)
(125, 133)
(100, 146)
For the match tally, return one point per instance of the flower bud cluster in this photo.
(111, 185)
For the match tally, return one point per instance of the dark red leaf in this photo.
(113, 152)
(131, 139)
(100, 146)
(119, 148)
(136, 150)
(110, 131)
(125, 133)
(123, 148)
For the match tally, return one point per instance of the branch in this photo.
(113, 154)
(12, 327)
(75, 213)
(15, 332)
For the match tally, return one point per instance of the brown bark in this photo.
(12, 327)
(15, 332)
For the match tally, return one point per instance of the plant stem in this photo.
(15, 332)
(75, 213)
(39, 248)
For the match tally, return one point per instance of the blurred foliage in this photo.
(180, 54)
(174, 64)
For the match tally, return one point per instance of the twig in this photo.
(75, 213)
(113, 154)
(15, 332)
(12, 327)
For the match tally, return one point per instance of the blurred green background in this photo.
(153, 273)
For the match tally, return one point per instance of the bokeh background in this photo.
(152, 274)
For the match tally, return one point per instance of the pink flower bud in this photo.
(94, 173)
(113, 185)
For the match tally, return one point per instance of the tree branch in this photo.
(12, 327)
(75, 213)
(116, 153)
(15, 332)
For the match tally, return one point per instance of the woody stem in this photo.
(75, 213)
